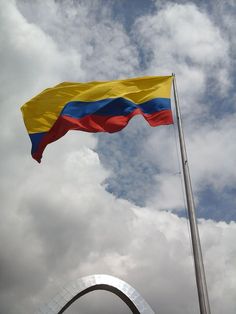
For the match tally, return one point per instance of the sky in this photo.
(113, 203)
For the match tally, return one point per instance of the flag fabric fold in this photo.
(95, 107)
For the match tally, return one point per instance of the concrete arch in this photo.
(82, 286)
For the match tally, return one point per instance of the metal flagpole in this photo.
(197, 253)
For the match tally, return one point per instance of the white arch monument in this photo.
(82, 286)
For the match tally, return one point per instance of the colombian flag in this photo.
(95, 107)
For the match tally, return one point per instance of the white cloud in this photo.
(185, 41)
(88, 28)
(58, 222)
(211, 151)
(28, 54)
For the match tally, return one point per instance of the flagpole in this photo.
(197, 252)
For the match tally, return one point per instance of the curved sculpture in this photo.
(82, 286)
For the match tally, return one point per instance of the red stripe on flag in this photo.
(96, 123)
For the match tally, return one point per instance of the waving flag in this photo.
(95, 107)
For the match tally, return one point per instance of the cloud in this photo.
(61, 220)
(187, 42)
(30, 53)
(90, 30)
(210, 150)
